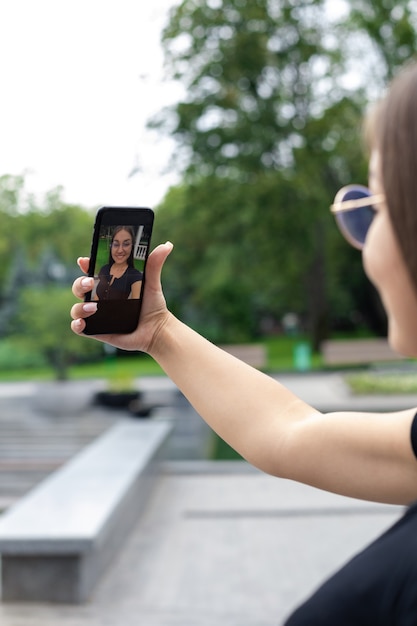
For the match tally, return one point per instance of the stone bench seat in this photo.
(357, 351)
(57, 541)
(253, 354)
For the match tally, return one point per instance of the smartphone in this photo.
(119, 252)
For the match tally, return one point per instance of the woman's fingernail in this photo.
(90, 307)
(78, 324)
(87, 282)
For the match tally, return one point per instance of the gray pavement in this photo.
(221, 543)
(329, 392)
(237, 548)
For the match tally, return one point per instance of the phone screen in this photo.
(119, 252)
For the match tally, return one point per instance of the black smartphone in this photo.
(119, 252)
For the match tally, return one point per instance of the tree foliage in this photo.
(39, 242)
(43, 321)
(255, 72)
(390, 28)
(37, 224)
(269, 129)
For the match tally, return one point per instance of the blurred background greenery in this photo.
(269, 129)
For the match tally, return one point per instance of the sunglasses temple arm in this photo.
(348, 205)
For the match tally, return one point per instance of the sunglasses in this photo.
(353, 208)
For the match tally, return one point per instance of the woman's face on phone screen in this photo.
(121, 246)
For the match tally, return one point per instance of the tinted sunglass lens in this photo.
(355, 223)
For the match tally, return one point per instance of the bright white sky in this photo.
(79, 80)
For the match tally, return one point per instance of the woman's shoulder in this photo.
(132, 271)
(105, 269)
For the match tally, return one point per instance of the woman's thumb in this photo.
(156, 262)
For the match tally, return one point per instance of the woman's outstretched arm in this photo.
(357, 454)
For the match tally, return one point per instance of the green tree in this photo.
(39, 223)
(389, 33)
(39, 240)
(254, 73)
(43, 320)
(269, 129)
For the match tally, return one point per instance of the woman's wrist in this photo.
(161, 337)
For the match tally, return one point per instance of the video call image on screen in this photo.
(120, 262)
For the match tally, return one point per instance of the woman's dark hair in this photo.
(394, 133)
(131, 232)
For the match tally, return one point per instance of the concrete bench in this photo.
(57, 541)
(357, 351)
(252, 353)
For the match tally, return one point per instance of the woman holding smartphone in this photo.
(363, 455)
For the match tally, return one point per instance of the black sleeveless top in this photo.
(378, 587)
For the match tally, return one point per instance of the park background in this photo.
(262, 126)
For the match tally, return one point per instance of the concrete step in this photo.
(32, 445)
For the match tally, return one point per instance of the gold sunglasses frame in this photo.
(339, 206)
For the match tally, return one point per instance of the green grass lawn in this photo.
(121, 368)
(17, 363)
(385, 384)
(282, 352)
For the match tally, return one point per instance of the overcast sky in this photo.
(79, 79)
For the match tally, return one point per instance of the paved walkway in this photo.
(329, 392)
(221, 543)
(234, 548)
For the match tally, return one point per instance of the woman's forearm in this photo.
(357, 454)
(247, 408)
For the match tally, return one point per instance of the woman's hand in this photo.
(154, 312)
